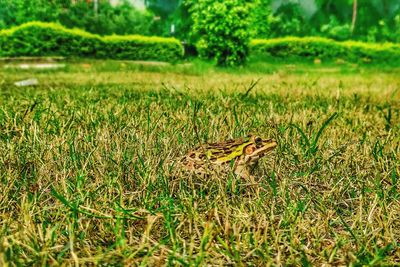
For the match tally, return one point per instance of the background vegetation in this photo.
(119, 19)
(364, 20)
(50, 39)
(317, 48)
(222, 27)
(221, 30)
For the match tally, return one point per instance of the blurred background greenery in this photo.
(364, 20)
(224, 31)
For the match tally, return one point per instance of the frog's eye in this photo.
(258, 140)
(249, 149)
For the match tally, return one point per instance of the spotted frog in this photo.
(239, 155)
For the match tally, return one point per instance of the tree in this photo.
(15, 12)
(223, 30)
(105, 20)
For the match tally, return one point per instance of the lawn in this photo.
(88, 169)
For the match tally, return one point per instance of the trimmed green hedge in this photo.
(326, 49)
(50, 39)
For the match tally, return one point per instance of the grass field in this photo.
(88, 173)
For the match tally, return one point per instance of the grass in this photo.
(88, 173)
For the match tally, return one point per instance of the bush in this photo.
(49, 39)
(222, 27)
(140, 47)
(322, 48)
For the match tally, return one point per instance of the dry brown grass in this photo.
(88, 175)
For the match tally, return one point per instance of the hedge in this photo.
(323, 48)
(50, 39)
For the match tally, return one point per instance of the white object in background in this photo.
(35, 66)
(28, 82)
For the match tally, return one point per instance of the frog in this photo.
(237, 155)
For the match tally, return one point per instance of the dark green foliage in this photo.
(163, 8)
(287, 20)
(375, 20)
(16, 12)
(48, 39)
(222, 27)
(335, 30)
(183, 21)
(120, 19)
(326, 49)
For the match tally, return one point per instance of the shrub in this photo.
(322, 48)
(222, 27)
(49, 39)
(142, 47)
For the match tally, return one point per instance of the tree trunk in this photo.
(354, 20)
(95, 6)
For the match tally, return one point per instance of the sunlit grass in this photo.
(88, 167)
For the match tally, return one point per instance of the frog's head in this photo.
(256, 148)
(246, 151)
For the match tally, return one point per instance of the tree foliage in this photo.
(371, 20)
(222, 30)
(375, 20)
(120, 19)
